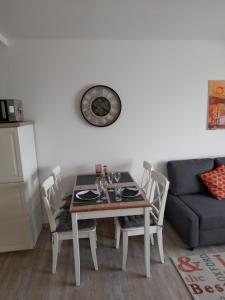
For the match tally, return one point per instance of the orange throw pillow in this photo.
(215, 182)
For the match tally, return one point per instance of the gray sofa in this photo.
(198, 218)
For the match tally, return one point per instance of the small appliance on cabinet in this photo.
(20, 210)
(11, 110)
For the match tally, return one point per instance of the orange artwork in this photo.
(216, 108)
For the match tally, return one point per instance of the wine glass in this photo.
(110, 178)
(99, 188)
(117, 179)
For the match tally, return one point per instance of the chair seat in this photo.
(134, 221)
(65, 223)
(67, 202)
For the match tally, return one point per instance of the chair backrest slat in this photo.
(146, 177)
(48, 195)
(56, 173)
(158, 195)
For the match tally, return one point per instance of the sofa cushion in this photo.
(215, 182)
(210, 211)
(65, 222)
(219, 161)
(134, 221)
(184, 175)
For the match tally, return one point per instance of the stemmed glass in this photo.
(110, 178)
(117, 179)
(99, 187)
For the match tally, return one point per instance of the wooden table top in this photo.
(108, 205)
(16, 124)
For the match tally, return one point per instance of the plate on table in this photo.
(130, 192)
(87, 195)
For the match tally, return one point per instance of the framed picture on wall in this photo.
(216, 104)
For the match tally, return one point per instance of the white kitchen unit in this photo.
(20, 209)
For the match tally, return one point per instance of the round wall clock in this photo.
(100, 106)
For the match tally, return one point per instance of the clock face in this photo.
(100, 106)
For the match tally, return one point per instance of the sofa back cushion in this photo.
(184, 175)
(219, 161)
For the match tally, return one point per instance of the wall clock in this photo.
(100, 106)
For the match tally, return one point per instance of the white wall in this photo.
(163, 86)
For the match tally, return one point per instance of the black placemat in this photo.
(90, 179)
(124, 199)
(86, 179)
(78, 202)
(125, 177)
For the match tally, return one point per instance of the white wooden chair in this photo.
(61, 226)
(63, 199)
(145, 187)
(134, 225)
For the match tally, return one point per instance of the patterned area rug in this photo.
(204, 275)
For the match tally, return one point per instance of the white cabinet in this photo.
(20, 212)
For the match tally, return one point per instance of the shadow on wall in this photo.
(136, 172)
(68, 180)
(68, 176)
(161, 167)
(44, 173)
(68, 183)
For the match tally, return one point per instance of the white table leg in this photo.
(76, 249)
(147, 242)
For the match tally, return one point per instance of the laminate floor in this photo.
(26, 275)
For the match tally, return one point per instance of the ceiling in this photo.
(112, 19)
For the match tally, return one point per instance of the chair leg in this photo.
(160, 244)
(96, 240)
(60, 245)
(125, 247)
(117, 234)
(152, 239)
(92, 238)
(55, 250)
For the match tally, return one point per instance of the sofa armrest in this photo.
(183, 219)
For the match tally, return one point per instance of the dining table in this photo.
(110, 207)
